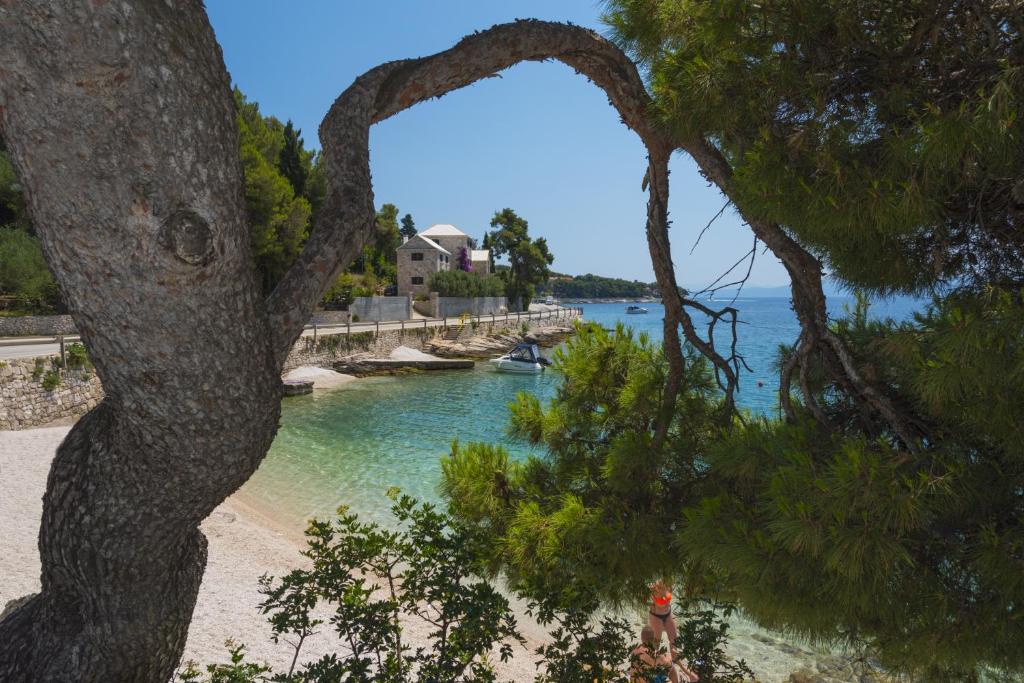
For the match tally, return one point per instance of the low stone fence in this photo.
(380, 308)
(36, 325)
(454, 306)
(34, 391)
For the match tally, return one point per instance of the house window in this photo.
(417, 280)
(417, 256)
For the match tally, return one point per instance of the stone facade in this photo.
(418, 259)
(453, 244)
(24, 402)
(36, 325)
(481, 260)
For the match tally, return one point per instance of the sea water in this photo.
(348, 446)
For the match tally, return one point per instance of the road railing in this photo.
(564, 313)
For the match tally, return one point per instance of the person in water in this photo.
(661, 622)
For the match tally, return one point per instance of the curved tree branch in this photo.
(347, 216)
(808, 302)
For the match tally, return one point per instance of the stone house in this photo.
(418, 259)
(436, 248)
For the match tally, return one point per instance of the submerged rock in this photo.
(296, 387)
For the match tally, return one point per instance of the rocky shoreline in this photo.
(491, 345)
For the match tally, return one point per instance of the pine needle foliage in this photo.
(599, 506)
(832, 534)
(885, 134)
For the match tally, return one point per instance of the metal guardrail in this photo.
(39, 340)
(564, 313)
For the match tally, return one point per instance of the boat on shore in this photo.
(636, 310)
(524, 358)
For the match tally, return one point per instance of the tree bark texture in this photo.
(120, 121)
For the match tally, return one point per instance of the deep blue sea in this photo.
(346, 447)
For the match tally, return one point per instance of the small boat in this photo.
(523, 358)
(635, 310)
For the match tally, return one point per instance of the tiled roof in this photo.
(431, 244)
(443, 230)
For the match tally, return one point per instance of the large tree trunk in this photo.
(120, 121)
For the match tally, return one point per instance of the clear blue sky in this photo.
(540, 140)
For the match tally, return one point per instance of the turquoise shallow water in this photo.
(347, 447)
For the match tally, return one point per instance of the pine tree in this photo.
(279, 218)
(528, 259)
(885, 138)
(408, 229)
(291, 162)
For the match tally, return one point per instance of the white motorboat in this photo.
(635, 310)
(524, 358)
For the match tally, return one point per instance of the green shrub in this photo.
(340, 294)
(429, 569)
(458, 283)
(24, 274)
(51, 380)
(39, 368)
(355, 318)
(77, 358)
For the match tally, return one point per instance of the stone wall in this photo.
(36, 325)
(330, 348)
(381, 308)
(25, 403)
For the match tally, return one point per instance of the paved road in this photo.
(30, 347)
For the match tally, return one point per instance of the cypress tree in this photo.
(291, 162)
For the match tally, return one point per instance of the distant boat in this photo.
(524, 358)
(635, 310)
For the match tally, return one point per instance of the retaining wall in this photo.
(330, 348)
(36, 325)
(381, 308)
(454, 306)
(25, 403)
